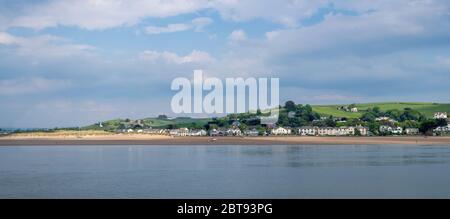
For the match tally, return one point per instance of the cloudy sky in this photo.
(75, 62)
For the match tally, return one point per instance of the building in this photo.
(251, 132)
(307, 131)
(391, 130)
(354, 110)
(156, 131)
(236, 124)
(412, 131)
(385, 118)
(200, 132)
(362, 130)
(233, 132)
(179, 132)
(442, 129)
(281, 131)
(440, 115)
(341, 131)
(215, 132)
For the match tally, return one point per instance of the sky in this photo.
(76, 62)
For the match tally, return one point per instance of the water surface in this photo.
(341, 171)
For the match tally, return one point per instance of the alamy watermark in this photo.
(229, 98)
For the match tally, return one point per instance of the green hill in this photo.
(149, 122)
(426, 108)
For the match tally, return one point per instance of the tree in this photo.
(330, 122)
(368, 117)
(426, 127)
(243, 127)
(376, 110)
(441, 122)
(162, 117)
(289, 105)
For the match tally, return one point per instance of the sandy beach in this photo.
(142, 139)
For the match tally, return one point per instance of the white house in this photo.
(442, 129)
(385, 118)
(233, 132)
(179, 132)
(362, 130)
(392, 130)
(307, 130)
(412, 131)
(440, 115)
(327, 131)
(354, 110)
(281, 131)
(251, 132)
(200, 132)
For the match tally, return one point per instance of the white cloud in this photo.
(44, 46)
(7, 39)
(31, 86)
(170, 57)
(196, 24)
(102, 14)
(238, 35)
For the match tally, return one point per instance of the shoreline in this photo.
(268, 140)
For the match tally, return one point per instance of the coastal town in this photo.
(294, 120)
(407, 123)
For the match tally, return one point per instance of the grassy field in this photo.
(426, 108)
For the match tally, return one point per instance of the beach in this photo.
(143, 139)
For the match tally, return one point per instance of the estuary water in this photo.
(304, 171)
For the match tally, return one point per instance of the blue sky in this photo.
(72, 63)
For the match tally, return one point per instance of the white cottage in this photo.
(281, 131)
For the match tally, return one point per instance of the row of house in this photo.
(396, 130)
(303, 131)
(188, 132)
(442, 129)
(226, 132)
(332, 131)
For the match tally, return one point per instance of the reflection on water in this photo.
(225, 171)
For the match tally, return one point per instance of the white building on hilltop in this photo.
(440, 115)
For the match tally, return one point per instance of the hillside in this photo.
(426, 108)
(149, 122)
